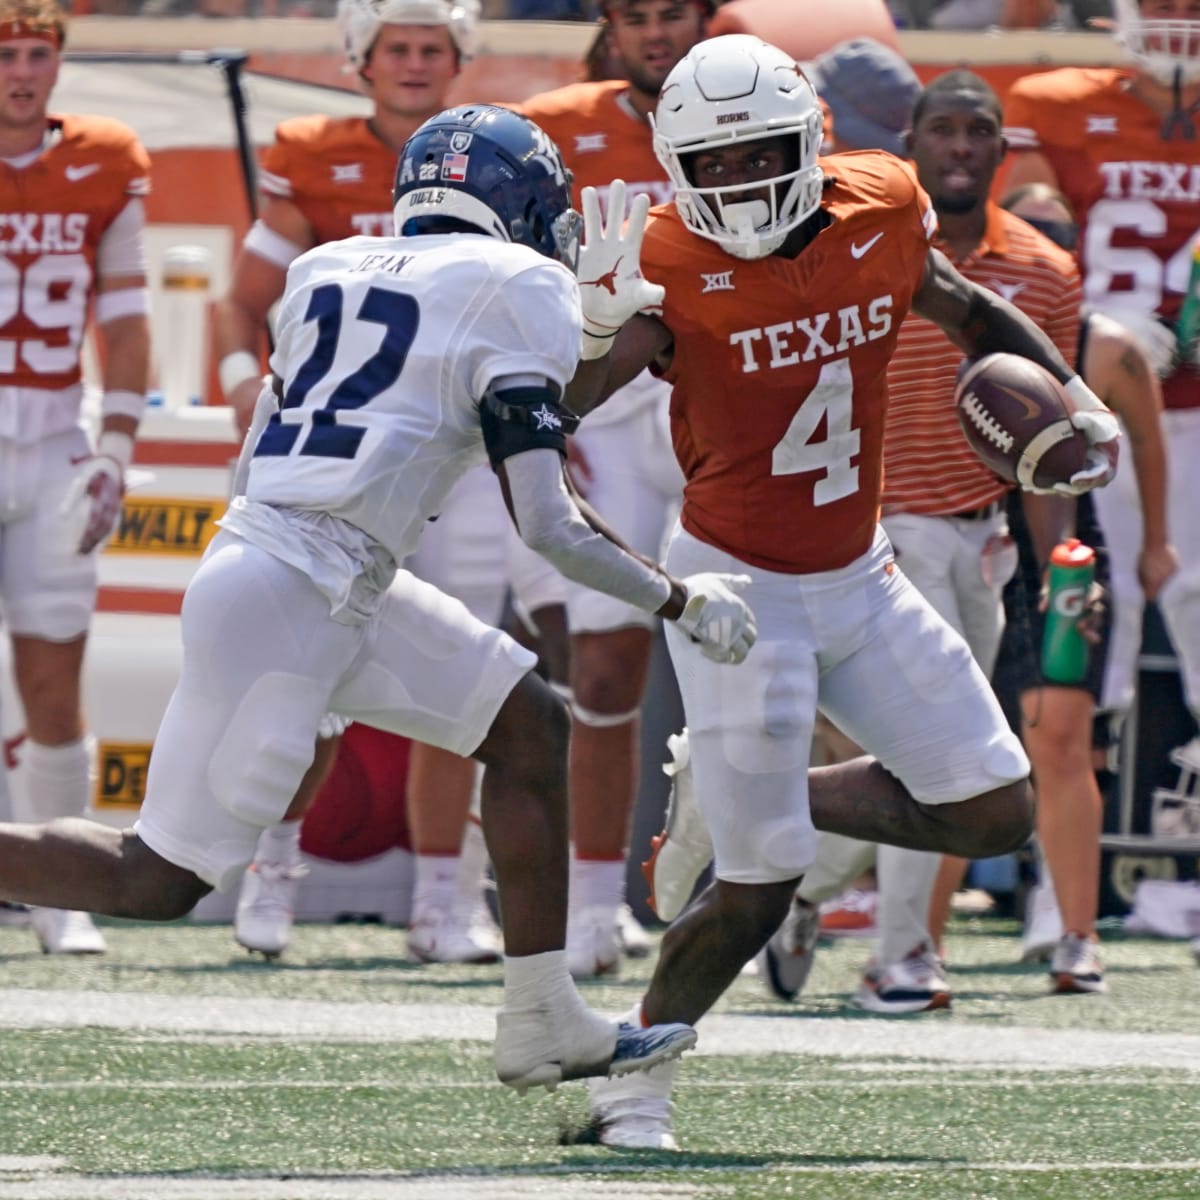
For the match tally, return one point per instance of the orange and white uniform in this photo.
(635, 480)
(341, 176)
(1136, 195)
(778, 409)
(57, 208)
(336, 172)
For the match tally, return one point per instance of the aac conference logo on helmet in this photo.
(454, 164)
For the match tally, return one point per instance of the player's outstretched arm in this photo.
(981, 322)
(524, 428)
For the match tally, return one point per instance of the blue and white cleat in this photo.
(640, 1049)
(598, 1048)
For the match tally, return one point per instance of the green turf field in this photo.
(178, 1068)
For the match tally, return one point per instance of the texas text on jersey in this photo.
(1138, 195)
(779, 425)
(53, 214)
(336, 172)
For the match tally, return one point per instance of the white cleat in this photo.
(681, 852)
(593, 945)
(634, 1112)
(65, 931)
(445, 939)
(266, 907)
(631, 936)
(523, 1059)
(786, 961)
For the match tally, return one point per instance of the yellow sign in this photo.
(176, 527)
(121, 779)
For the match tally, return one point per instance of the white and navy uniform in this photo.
(385, 350)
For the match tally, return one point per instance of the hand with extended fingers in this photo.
(611, 286)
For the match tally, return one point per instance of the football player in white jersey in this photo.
(400, 363)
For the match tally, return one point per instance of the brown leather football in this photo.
(1017, 418)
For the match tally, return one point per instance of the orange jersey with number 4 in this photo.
(779, 369)
(53, 214)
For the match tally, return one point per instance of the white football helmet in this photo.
(1161, 47)
(359, 22)
(735, 89)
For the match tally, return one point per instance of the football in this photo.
(1017, 418)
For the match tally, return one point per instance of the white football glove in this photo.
(1103, 432)
(717, 617)
(611, 287)
(92, 502)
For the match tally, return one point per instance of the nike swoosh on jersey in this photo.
(76, 173)
(857, 251)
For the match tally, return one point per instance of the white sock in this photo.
(279, 844)
(597, 883)
(472, 871)
(435, 881)
(57, 780)
(906, 879)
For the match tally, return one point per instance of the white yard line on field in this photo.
(958, 1042)
(333, 1187)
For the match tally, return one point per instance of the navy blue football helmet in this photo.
(492, 170)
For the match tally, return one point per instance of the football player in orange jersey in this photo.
(325, 179)
(1121, 143)
(781, 282)
(631, 479)
(71, 193)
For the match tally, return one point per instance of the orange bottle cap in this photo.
(1072, 553)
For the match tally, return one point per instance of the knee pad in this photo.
(784, 848)
(267, 746)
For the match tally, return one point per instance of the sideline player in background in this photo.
(777, 408)
(1121, 143)
(445, 346)
(630, 478)
(1056, 721)
(71, 190)
(325, 179)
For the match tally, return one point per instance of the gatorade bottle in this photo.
(1187, 328)
(1065, 651)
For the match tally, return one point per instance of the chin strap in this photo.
(1178, 122)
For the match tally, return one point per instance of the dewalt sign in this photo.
(176, 527)
(121, 778)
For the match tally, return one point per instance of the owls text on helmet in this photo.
(494, 170)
